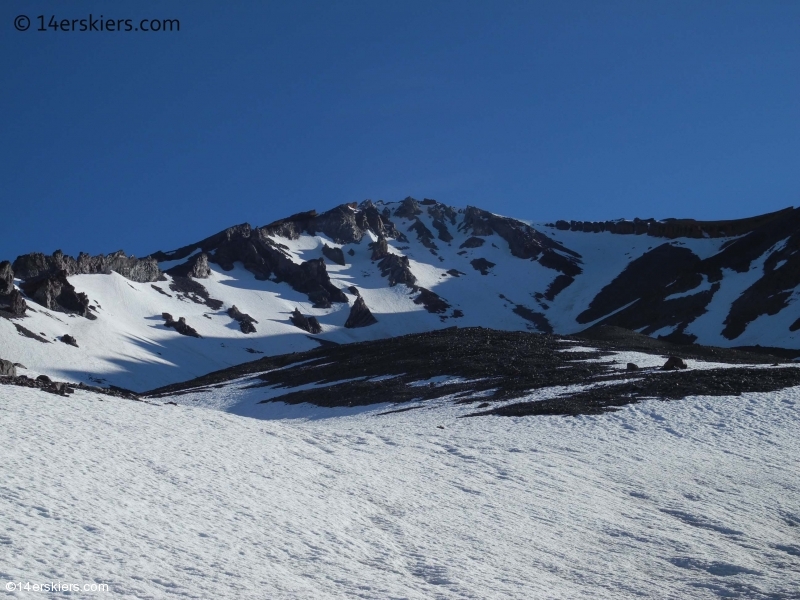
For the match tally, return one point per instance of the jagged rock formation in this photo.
(473, 242)
(12, 304)
(333, 254)
(196, 267)
(180, 325)
(7, 368)
(246, 322)
(53, 291)
(6, 278)
(309, 324)
(360, 315)
(30, 266)
(675, 228)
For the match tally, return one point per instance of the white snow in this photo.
(688, 499)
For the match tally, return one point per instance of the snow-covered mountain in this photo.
(377, 270)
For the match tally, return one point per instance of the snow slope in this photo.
(128, 345)
(669, 500)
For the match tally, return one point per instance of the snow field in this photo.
(691, 499)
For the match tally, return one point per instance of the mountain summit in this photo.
(368, 271)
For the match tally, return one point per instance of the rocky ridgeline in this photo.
(656, 290)
(674, 228)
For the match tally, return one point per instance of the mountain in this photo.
(377, 270)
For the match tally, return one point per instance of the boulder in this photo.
(68, 339)
(360, 315)
(482, 265)
(632, 367)
(333, 254)
(246, 322)
(7, 368)
(673, 364)
(181, 326)
(309, 324)
(13, 303)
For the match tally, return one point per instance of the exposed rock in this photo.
(7, 368)
(187, 288)
(334, 254)
(632, 367)
(35, 265)
(245, 321)
(360, 315)
(68, 339)
(432, 302)
(482, 265)
(408, 209)
(673, 364)
(444, 233)
(455, 272)
(424, 234)
(440, 211)
(523, 240)
(354, 290)
(6, 278)
(351, 252)
(473, 242)
(196, 266)
(380, 248)
(13, 304)
(309, 324)
(44, 379)
(180, 325)
(53, 291)
(397, 269)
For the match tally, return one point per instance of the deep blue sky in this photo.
(253, 111)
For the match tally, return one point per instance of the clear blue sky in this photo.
(255, 110)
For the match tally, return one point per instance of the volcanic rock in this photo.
(180, 325)
(482, 265)
(360, 315)
(397, 269)
(196, 266)
(245, 320)
(309, 324)
(53, 291)
(334, 254)
(6, 278)
(29, 266)
(13, 304)
(68, 339)
(473, 242)
(7, 368)
(673, 364)
(432, 302)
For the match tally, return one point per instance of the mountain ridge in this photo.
(376, 270)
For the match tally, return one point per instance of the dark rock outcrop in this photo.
(6, 278)
(68, 339)
(424, 234)
(397, 269)
(674, 363)
(196, 267)
(13, 304)
(187, 288)
(246, 322)
(482, 265)
(333, 254)
(34, 265)
(408, 209)
(309, 324)
(54, 292)
(432, 302)
(181, 326)
(7, 368)
(473, 242)
(360, 315)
